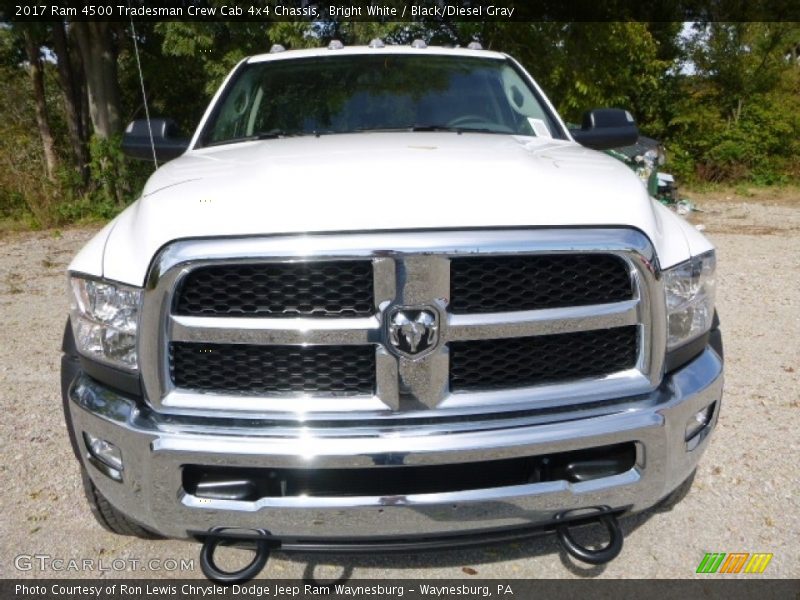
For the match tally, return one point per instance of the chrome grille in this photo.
(506, 354)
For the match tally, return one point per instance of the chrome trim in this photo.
(409, 269)
(387, 385)
(237, 330)
(543, 322)
(384, 282)
(300, 406)
(288, 248)
(156, 446)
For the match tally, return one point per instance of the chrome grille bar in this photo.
(491, 326)
(247, 330)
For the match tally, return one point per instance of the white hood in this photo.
(379, 181)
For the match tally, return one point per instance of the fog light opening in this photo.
(699, 421)
(105, 453)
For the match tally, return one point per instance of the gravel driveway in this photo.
(746, 497)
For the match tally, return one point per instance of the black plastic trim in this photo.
(682, 355)
(128, 383)
(68, 341)
(715, 341)
(70, 368)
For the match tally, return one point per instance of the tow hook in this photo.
(260, 543)
(587, 555)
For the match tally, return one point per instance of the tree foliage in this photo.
(725, 97)
(738, 114)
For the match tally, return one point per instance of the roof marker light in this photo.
(377, 43)
(335, 45)
(276, 48)
(419, 44)
(475, 46)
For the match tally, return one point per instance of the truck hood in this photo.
(379, 181)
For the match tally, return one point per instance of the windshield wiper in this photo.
(428, 128)
(424, 128)
(272, 134)
(458, 129)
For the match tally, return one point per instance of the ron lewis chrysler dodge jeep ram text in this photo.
(385, 298)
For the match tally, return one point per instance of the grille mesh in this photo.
(250, 369)
(314, 289)
(518, 362)
(507, 283)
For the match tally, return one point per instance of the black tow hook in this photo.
(263, 546)
(587, 555)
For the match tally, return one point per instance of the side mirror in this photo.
(605, 128)
(166, 140)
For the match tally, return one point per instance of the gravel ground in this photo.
(746, 497)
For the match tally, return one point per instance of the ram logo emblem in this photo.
(413, 331)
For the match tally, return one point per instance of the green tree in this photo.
(738, 117)
(588, 65)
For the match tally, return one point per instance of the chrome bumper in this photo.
(155, 447)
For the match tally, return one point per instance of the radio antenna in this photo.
(144, 93)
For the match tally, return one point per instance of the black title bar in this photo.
(427, 11)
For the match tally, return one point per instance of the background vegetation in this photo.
(724, 97)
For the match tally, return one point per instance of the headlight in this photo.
(104, 320)
(689, 288)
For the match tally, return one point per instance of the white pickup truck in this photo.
(384, 298)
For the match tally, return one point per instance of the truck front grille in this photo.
(527, 361)
(250, 369)
(506, 283)
(294, 289)
(363, 326)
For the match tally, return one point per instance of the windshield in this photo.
(357, 93)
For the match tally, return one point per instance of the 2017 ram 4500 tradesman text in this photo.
(385, 298)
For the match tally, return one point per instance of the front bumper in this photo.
(155, 448)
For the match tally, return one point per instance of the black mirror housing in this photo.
(167, 140)
(606, 128)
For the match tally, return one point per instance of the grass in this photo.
(785, 195)
(10, 226)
